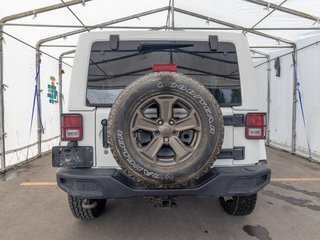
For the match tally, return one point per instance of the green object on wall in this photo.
(52, 93)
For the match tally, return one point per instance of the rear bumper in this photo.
(112, 183)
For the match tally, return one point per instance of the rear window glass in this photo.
(112, 70)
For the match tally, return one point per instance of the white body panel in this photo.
(234, 136)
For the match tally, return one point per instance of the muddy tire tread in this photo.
(239, 205)
(78, 211)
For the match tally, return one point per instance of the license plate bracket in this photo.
(72, 157)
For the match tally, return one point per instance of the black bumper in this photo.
(111, 183)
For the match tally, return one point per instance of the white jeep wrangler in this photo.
(162, 114)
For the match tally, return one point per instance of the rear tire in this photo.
(78, 211)
(239, 205)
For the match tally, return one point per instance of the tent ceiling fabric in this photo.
(240, 12)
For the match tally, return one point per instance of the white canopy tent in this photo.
(38, 35)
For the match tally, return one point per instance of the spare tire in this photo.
(165, 130)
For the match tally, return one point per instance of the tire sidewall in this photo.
(165, 83)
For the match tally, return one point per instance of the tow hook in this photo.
(166, 202)
(86, 204)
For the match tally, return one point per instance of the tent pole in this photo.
(268, 98)
(172, 12)
(60, 88)
(267, 56)
(165, 27)
(101, 25)
(62, 55)
(294, 102)
(284, 9)
(60, 46)
(41, 10)
(274, 47)
(39, 125)
(2, 133)
(232, 25)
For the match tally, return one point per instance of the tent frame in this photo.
(60, 69)
(170, 24)
(3, 21)
(267, 57)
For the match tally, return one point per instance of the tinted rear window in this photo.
(112, 70)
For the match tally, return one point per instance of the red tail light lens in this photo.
(256, 125)
(71, 127)
(164, 68)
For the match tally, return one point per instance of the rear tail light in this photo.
(256, 125)
(164, 68)
(71, 127)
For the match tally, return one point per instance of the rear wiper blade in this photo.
(144, 47)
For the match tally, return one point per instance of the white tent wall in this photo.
(50, 111)
(281, 89)
(308, 77)
(66, 76)
(281, 93)
(262, 82)
(19, 75)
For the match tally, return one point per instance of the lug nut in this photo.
(166, 139)
(171, 122)
(156, 133)
(160, 122)
(175, 133)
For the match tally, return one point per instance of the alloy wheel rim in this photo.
(165, 130)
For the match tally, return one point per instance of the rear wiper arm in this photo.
(144, 47)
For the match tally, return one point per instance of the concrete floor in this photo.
(285, 210)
